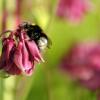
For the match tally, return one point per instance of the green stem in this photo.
(4, 19)
(97, 94)
(1, 89)
(9, 88)
(23, 86)
(48, 82)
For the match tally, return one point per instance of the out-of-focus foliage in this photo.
(47, 82)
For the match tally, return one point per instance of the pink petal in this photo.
(21, 59)
(18, 56)
(34, 51)
(29, 72)
(13, 69)
(8, 45)
(27, 63)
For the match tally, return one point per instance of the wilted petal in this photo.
(21, 59)
(29, 72)
(34, 51)
(8, 45)
(18, 56)
(13, 69)
(6, 62)
(27, 63)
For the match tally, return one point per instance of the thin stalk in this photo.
(1, 89)
(4, 15)
(98, 94)
(3, 24)
(18, 11)
(9, 88)
(48, 82)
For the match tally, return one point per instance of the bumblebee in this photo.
(36, 33)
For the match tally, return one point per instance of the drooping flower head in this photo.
(73, 10)
(82, 62)
(20, 51)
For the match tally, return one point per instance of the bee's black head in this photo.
(35, 33)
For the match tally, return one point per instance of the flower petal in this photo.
(13, 69)
(8, 45)
(34, 51)
(18, 56)
(27, 63)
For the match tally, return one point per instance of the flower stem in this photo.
(1, 89)
(4, 16)
(98, 94)
(3, 24)
(48, 82)
(18, 11)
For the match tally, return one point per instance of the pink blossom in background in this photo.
(82, 62)
(19, 53)
(73, 10)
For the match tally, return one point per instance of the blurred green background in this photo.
(47, 82)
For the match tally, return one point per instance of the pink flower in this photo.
(73, 10)
(19, 53)
(82, 62)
